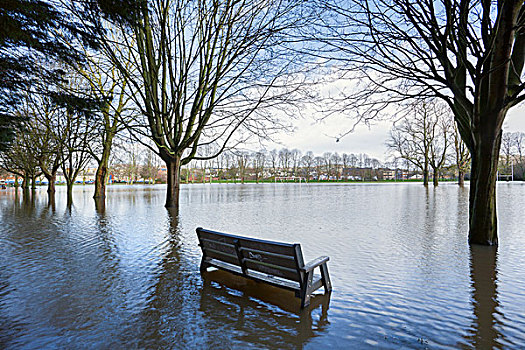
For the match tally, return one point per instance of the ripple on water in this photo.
(126, 275)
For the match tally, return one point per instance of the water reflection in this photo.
(161, 322)
(100, 205)
(485, 304)
(247, 308)
(124, 273)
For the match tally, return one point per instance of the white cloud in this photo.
(515, 120)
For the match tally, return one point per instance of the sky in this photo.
(320, 137)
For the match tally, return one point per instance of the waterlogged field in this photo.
(126, 275)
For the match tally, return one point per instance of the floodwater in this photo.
(126, 275)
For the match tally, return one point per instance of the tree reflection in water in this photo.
(485, 304)
(100, 205)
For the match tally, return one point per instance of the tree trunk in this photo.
(51, 179)
(16, 181)
(51, 201)
(102, 170)
(25, 182)
(173, 181)
(33, 182)
(435, 178)
(425, 174)
(483, 224)
(100, 181)
(461, 178)
(100, 205)
(69, 185)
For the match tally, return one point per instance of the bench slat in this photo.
(220, 246)
(270, 247)
(258, 276)
(229, 258)
(216, 236)
(271, 258)
(275, 270)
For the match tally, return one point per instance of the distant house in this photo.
(389, 174)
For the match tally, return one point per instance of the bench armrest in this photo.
(315, 263)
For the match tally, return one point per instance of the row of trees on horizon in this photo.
(132, 163)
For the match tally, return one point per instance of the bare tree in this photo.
(469, 54)
(285, 158)
(21, 158)
(274, 160)
(221, 165)
(336, 162)
(440, 135)
(307, 162)
(519, 139)
(231, 166)
(243, 159)
(47, 140)
(150, 166)
(108, 84)
(345, 158)
(296, 159)
(412, 138)
(353, 160)
(507, 148)
(327, 157)
(205, 70)
(319, 165)
(259, 160)
(78, 133)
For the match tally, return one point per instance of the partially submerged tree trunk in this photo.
(100, 181)
(101, 174)
(25, 182)
(51, 186)
(69, 185)
(173, 182)
(425, 172)
(461, 178)
(50, 175)
(100, 206)
(482, 214)
(484, 297)
(435, 178)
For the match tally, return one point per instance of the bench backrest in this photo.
(282, 260)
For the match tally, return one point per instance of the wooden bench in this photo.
(279, 264)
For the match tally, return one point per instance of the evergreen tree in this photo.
(35, 39)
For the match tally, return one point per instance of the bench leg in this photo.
(307, 290)
(325, 276)
(204, 265)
